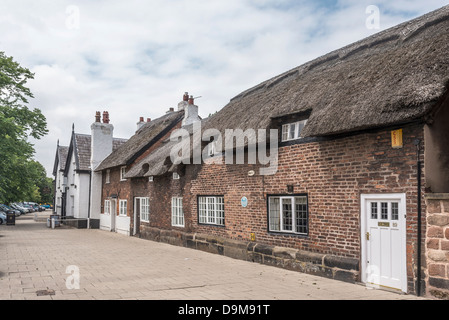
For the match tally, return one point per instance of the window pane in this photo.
(211, 210)
(274, 214)
(219, 214)
(384, 210)
(373, 210)
(301, 214)
(202, 210)
(301, 125)
(285, 132)
(292, 131)
(394, 211)
(287, 214)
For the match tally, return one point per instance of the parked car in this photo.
(35, 206)
(29, 207)
(16, 207)
(2, 217)
(6, 208)
(21, 206)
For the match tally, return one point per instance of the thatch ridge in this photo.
(391, 77)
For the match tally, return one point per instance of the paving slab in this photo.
(99, 265)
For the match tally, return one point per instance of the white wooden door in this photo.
(384, 241)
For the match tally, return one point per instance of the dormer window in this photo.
(292, 131)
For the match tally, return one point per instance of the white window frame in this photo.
(144, 209)
(108, 176)
(277, 219)
(175, 176)
(122, 173)
(123, 207)
(292, 131)
(177, 213)
(107, 207)
(211, 210)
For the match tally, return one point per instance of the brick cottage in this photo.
(361, 140)
(345, 170)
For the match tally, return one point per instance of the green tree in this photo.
(17, 124)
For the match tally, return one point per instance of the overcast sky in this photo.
(136, 58)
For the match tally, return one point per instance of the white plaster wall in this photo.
(101, 147)
(122, 225)
(105, 222)
(83, 180)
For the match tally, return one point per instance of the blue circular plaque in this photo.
(244, 202)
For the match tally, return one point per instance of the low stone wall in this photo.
(329, 266)
(437, 245)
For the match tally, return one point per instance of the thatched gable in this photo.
(146, 136)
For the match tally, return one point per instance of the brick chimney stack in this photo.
(183, 104)
(106, 117)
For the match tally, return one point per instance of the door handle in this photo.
(367, 235)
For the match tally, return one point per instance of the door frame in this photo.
(113, 215)
(401, 197)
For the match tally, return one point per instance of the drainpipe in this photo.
(417, 143)
(90, 193)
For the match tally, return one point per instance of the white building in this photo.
(76, 185)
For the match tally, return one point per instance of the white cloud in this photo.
(136, 58)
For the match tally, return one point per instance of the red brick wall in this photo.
(127, 190)
(333, 173)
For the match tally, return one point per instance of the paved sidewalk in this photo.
(37, 260)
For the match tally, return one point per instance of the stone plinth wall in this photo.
(437, 245)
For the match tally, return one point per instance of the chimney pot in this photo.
(105, 117)
(148, 119)
(98, 116)
(186, 97)
(141, 119)
(191, 100)
(172, 109)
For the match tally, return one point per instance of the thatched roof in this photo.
(158, 162)
(392, 77)
(144, 138)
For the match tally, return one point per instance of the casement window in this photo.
(122, 173)
(143, 205)
(211, 210)
(123, 210)
(108, 176)
(177, 214)
(107, 207)
(292, 131)
(288, 214)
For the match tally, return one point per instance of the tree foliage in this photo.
(18, 170)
